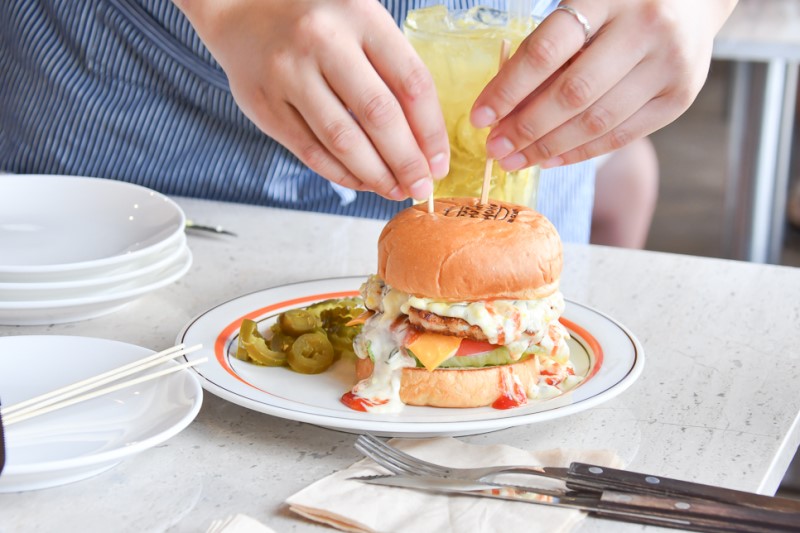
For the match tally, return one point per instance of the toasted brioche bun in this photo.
(474, 387)
(466, 251)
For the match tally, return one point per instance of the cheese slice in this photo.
(432, 349)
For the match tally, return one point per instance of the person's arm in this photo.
(560, 100)
(337, 83)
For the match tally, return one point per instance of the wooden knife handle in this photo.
(699, 515)
(599, 478)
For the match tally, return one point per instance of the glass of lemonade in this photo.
(461, 49)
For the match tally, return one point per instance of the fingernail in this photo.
(421, 189)
(397, 194)
(552, 162)
(499, 147)
(514, 162)
(483, 117)
(440, 165)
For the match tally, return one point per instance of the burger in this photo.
(464, 310)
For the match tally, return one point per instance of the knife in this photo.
(599, 478)
(582, 476)
(681, 513)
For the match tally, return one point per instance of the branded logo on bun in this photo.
(484, 211)
(465, 309)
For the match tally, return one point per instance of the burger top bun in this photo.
(467, 251)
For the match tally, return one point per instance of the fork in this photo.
(399, 462)
(578, 476)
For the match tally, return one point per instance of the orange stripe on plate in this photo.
(597, 350)
(227, 332)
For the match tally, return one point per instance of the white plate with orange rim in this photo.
(604, 353)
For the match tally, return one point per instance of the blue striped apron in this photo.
(125, 89)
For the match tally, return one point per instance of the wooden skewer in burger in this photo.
(505, 53)
(464, 310)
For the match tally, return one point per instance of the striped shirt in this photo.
(125, 89)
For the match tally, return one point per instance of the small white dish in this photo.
(43, 312)
(52, 223)
(87, 438)
(101, 284)
(89, 272)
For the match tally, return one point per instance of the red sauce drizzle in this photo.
(553, 332)
(516, 317)
(501, 334)
(359, 403)
(555, 379)
(510, 398)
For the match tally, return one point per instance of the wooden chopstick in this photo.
(72, 394)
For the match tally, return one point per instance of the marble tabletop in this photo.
(717, 401)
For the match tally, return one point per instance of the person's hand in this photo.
(559, 101)
(337, 83)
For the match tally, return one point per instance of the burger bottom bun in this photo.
(475, 387)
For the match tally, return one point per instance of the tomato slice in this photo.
(471, 347)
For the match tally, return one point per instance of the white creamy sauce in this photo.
(381, 338)
(383, 386)
(382, 341)
(554, 367)
(499, 317)
(544, 391)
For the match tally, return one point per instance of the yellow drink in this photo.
(462, 51)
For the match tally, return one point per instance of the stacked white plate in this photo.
(73, 248)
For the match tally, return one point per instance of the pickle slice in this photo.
(311, 353)
(255, 346)
(296, 322)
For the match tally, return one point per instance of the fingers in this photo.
(590, 75)
(652, 116)
(298, 138)
(385, 136)
(342, 137)
(640, 71)
(557, 39)
(344, 91)
(609, 111)
(408, 78)
(373, 106)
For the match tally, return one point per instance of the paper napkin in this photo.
(359, 507)
(238, 523)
